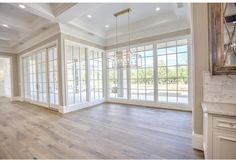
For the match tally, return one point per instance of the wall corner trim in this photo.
(197, 141)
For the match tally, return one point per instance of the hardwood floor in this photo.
(107, 131)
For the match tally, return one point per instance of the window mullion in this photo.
(177, 74)
(87, 69)
(128, 78)
(155, 75)
(167, 77)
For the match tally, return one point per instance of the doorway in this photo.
(5, 79)
(40, 77)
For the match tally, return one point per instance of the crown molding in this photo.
(33, 30)
(153, 38)
(7, 50)
(81, 34)
(149, 32)
(41, 36)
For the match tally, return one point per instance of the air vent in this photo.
(179, 5)
(90, 33)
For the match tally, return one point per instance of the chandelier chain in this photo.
(116, 37)
(129, 29)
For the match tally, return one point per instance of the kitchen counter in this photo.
(219, 108)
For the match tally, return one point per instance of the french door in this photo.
(40, 77)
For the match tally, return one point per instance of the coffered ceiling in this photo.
(22, 22)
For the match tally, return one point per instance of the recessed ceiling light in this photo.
(107, 26)
(157, 9)
(5, 25)
(21, 6)
(89, 16)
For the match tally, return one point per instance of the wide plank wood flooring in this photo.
(107, 131)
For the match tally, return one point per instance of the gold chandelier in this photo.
(123, 59)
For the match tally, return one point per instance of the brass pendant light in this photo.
(121, 62)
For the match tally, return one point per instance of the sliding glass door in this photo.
(40, 77)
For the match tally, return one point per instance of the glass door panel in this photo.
(42, 77)
(76, 75)
(32, 75)
(26, 77)
(52, 75)
(95, 68)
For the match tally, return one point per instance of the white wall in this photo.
(201, 60)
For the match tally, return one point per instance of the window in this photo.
(26, 76)
(142, 82)
(172, 67)
(84, 68)
(117, 75)
(95, 63)
(159, 77)
(32, 75)
(76, 74)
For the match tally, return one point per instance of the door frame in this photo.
(11, 75)
(43, 47)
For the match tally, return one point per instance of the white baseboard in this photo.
(197, 141)
(17, 98)
(67, 109)
(150, 104)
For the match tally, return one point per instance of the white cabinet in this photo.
(219, 131)
(224, 145)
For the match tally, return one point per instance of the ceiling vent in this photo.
(179, 5)
(90, 33)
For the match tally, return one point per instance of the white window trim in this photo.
(43, 47)
(88, 100)
(11, 75)
(155, 103)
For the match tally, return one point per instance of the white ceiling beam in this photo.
(60, 8)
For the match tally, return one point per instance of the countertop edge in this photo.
(229, 111)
